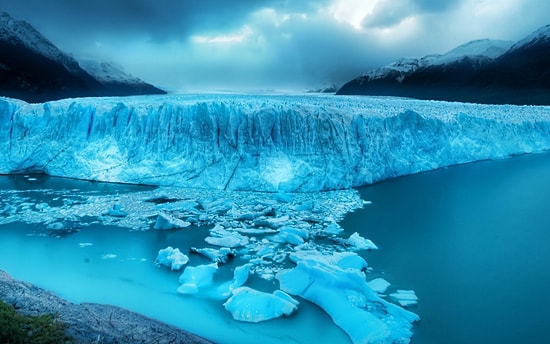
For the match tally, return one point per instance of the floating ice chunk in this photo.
(220, 206)
(357, 242)
(251, 305)
(379, 285)
(227, 241)
(166, 221)
(291, 235)
(240, 276)
(282, 197)
(109, 256)
(246, 216)
(55, 226)
(342, 260)
(220, 236)
(172, 258)
(333, 228)
(273, 223)
(199, 280)
(219, 256)
(116, 211)
(405, 297)
(344, 294)
(195, 277)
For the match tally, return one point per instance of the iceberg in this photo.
(216, 256)
(166, 221)
(274, 143)
(199, 281)
(291, 235)
(220, 236)
(194, 278)
(356, 242)
(250, 305)
(405, 297)
(172, 258)
(341, 290)
(379, 285)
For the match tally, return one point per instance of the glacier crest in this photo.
(262, 143)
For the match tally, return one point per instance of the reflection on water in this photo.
(472, 241)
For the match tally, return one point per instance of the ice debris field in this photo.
(294, 239)
(216, 156)
(259, 143)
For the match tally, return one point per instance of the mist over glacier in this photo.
(292, 143)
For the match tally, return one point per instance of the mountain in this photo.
(116, 79)
(479, 50)
(482, 71)
(35, 70)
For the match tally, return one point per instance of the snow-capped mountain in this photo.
(481, 50)
(484, 71)
(114, 77)
(107, 72)
(33, 69)
(540, 36)
(22, 33)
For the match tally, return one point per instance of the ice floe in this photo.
(247, 304)
(166, 221)
(341, 290)
(172, 258)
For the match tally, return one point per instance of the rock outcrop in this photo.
(91, 322)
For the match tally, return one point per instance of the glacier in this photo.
(272, 143)
(216, 157)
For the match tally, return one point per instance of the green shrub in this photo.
(20, 329)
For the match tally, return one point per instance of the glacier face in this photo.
(263, 143)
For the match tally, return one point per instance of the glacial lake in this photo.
(472, 241)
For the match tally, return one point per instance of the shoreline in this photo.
(91, 322)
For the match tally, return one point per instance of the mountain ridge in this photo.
(33, 69)
(516, 75)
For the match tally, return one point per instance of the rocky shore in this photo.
(91, 322)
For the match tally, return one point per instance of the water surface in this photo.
(473, 241)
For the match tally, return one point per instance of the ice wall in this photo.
(263, 143)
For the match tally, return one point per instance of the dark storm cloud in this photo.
(387, 13)
(160, 20)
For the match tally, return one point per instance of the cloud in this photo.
(274, 49)
(161, 20)
(209, 44)
(388, 13)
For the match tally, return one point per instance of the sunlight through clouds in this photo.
(351, 12)
(237, 37)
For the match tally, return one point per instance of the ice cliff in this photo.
(263, 143)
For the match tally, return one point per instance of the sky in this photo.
(233, 45)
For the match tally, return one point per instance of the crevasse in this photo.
(261, 143)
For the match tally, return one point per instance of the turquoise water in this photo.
(471, 240)
(92, 262)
